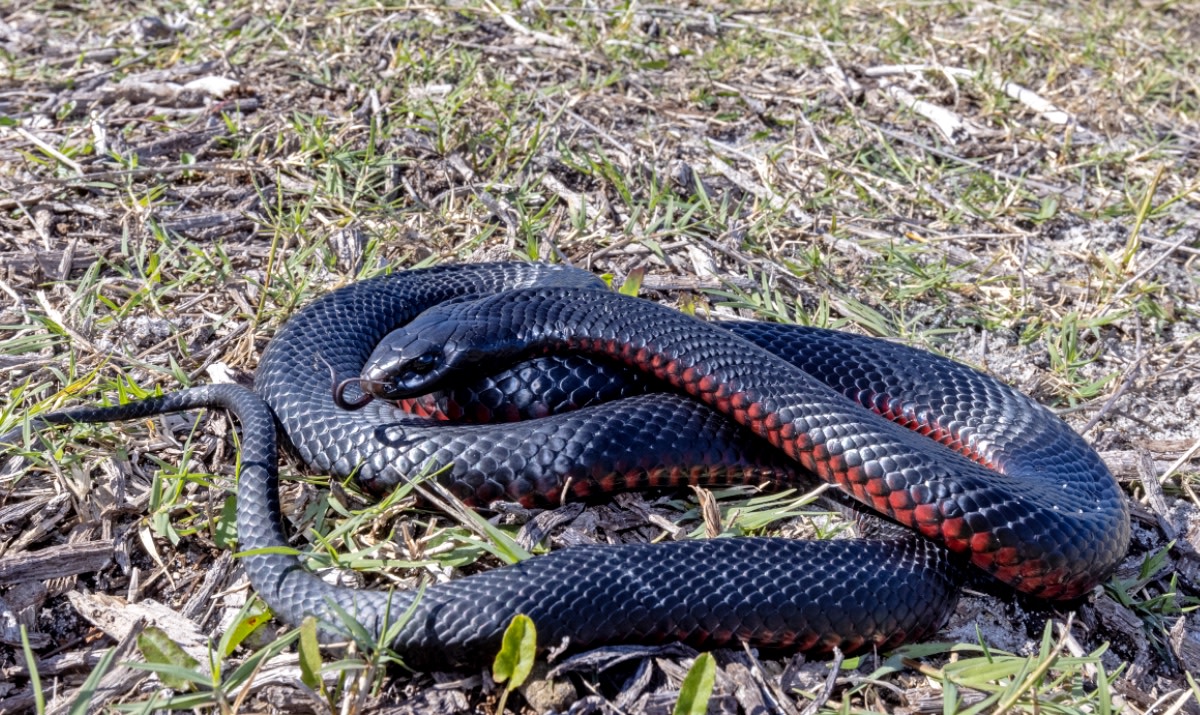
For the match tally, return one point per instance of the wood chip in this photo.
(117, 618)
(55, 562)
(1185, 644)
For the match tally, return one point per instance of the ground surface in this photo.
(1010, 185)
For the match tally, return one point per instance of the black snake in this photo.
(1010, 485)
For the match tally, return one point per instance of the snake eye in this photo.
(422, 364)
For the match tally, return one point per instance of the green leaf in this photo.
(158, 648)
(35, 681)
(633, 282)
(950, 704)
(225, 530)
(517, 652)
(395, 623)
(269, 550)
(175, 675)
(499, 544)
(357, 631)
(87, 691)
(248, 667)
(697, 687)
(242, 630)
(310, 654)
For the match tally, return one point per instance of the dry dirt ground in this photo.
(1011, 185)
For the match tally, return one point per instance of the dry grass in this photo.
(751, 157)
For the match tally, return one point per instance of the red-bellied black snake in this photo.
(1010, 486)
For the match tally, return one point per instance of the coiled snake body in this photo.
(1029, 502)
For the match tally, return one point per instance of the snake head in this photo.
(408, 362)
(437, 350)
